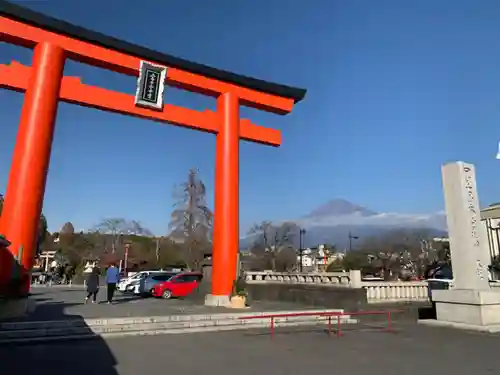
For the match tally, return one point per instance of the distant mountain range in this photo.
(333, 221)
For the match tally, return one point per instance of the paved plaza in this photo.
(364, 348)
(412, 350)
(64, 302)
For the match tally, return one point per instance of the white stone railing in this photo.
(396, 291)
(376, 291)
(326, 278)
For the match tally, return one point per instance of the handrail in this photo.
(329, 315)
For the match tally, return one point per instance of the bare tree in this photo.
(271, 239)
(119, 227)
(286, 260)
(191, 220)
(400, 253)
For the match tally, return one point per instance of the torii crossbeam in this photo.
(44, 84)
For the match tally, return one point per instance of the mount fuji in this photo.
(333, 221)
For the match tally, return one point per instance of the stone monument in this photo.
(470, 303)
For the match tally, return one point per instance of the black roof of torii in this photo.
(28, 16)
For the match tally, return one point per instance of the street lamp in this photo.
(351, 237)
(302, 232)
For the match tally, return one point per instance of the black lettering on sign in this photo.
(151, 85)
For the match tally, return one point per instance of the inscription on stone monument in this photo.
(475, 218)
(469, 250)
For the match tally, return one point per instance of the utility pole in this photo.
(351, 237)
(157, 251)
(125, 263)
(302, 232)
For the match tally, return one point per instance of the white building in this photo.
(491, 218)
(317, 259)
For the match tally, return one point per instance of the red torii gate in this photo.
(44, 86)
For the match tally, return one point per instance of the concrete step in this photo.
(142, 333)
(76, 329)
(156, 319)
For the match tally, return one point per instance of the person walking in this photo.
(92, 285)
(112, 278)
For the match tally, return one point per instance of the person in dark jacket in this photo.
(92, 285)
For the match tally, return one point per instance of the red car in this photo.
(180, 285)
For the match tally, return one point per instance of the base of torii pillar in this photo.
(12, 308)
(217, 301)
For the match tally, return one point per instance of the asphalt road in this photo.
(412, 350)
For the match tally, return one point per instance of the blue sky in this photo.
(395, 89)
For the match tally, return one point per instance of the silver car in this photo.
(128, 284)
(147, 284)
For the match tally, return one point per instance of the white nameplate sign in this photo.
(150, 86)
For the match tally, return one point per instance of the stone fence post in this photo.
(355, 278)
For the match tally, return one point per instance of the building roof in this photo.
(491, 212)
(28, 16)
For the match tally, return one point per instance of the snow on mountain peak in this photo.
(341, 212)
(339, 207)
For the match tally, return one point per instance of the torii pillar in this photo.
(45, 86)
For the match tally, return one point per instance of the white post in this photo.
(355, 278)
(468, 240)
(46, 262)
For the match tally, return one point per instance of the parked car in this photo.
(180, 285)
(439, 277)
(128, 284)
(146, 284)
